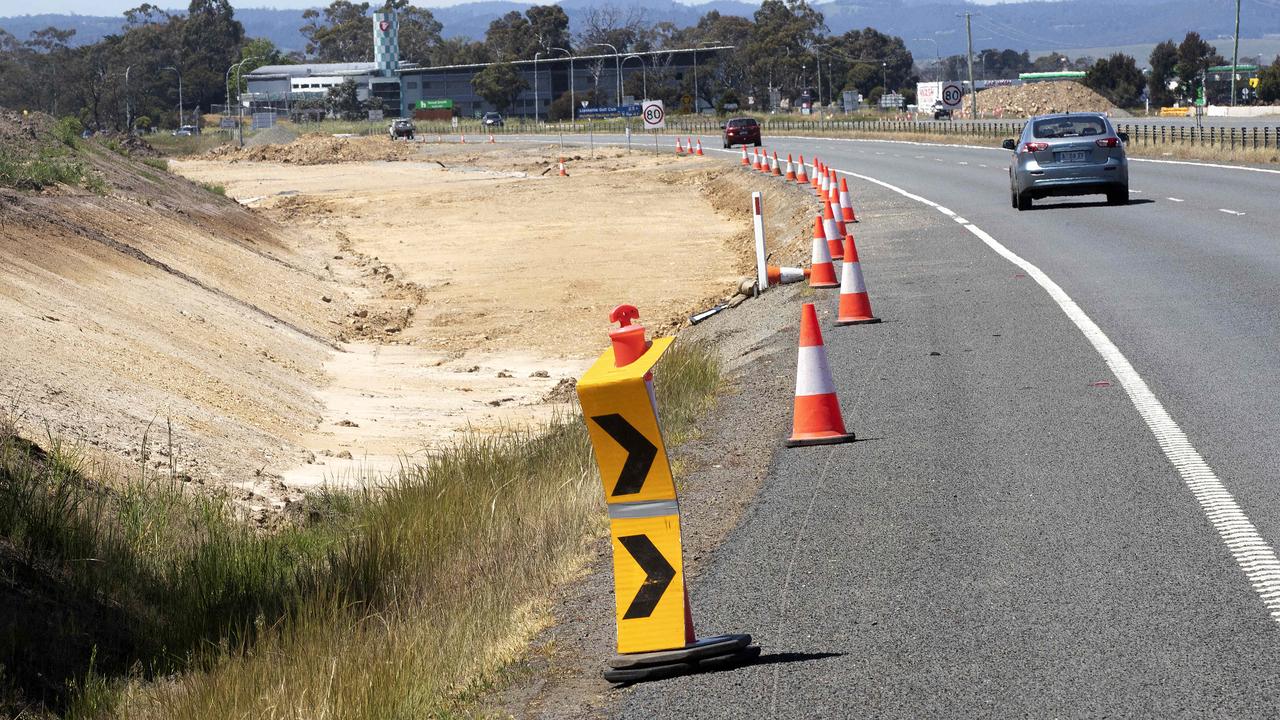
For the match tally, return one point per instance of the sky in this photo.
(117, 7)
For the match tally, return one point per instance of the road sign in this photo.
(227, 123)
(375, 114)
(655, 117)
(952, 95)
(644, 518)
(632, 110)
(434, 105)
(891, 100)
(597, 111)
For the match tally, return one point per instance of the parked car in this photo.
(741, 131)
(401, 128)
(185, 131)
(1068, 154)
(492, 118)
(940, 111)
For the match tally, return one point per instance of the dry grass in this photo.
(399, 602)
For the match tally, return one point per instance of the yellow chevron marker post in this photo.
(655, 626)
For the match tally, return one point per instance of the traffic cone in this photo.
(464, 138)
(846, 205)
(822, 273)
(813, 171)
(791, 171)
(833, 197)
(784, 275)
(491, 138)
(835, 245)
(679, 148)
(777, 172)
(801, 176)
(563, 172)
(855, 305)
(823, 183)
(755, 159)
(699, 153)
(764, 162)
(817, 419)
(745, 160)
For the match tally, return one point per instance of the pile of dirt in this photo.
(316, 149)
(17, 129)
(1040, 98)
(275, 135)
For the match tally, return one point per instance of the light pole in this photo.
(240, 105)
(695, 72)
(884, 69)
(1235, 55)
(617, 72)
(644, 74)
(817, 61)
(179, 72)
(573, 100)
(535, 86)
(937, 57)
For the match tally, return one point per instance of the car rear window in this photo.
(748, 122)
(1074, 126)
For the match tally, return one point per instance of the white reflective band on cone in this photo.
(821, 253)
(851, 279)
(813, 376)
(787, 275)
(829, 227)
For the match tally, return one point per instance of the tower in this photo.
(386, 43)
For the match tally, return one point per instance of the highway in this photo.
(1063, 502)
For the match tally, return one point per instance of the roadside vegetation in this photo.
(134, 597)
(54, 158)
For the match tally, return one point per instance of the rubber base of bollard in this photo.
(724, 660)
(706, 647)
(832, 440)
(867, 321)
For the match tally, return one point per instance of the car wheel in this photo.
(757, 143)
(1119, 196)
(1013, 198)
(1023, 201)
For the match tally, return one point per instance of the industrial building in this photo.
(403, 86)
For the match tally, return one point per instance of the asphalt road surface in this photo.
(1063, 502)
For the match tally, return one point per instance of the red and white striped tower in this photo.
(846, 204)
(822, 272)
(855, 304)
(835, 238)
(817, 419)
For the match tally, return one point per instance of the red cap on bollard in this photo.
(628, 340)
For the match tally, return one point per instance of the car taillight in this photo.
(1035, 147)
(1108, 142)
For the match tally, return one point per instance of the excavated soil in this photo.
(316, 149)
(1040, 98)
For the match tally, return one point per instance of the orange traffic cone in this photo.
(791, 171)
(785, 275)
(755, 159)
(846, 205)
(777, 172)
(855, 305)
(833, 197)
(563, 172)
(764, 162)
(463, 138)
(745, 160)
(491, 138)
(824, 183)
(817, 419)
(699, 153)
(801, 176)
(822, 273)
(815, 168)
(835, 245)
(679, 147)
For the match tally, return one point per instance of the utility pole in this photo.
(973, 89)
(1235, 55)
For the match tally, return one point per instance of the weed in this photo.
(67, 131)
(215, 188)
(158, 163)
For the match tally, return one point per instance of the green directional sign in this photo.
(435, 105)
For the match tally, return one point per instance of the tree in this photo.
(862, 59)
(211, 39)
(1194, 56)
(1164, 61)
(550, 25)
(460, 51)
(419, 32)
(1269, 82)
(343, 35)
(510, 37)
(779, 48)
(343, 100)
(500, 84)
(1118, 79)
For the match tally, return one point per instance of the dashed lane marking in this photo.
(1252, 554)
(1174, 199)
(1230, 212)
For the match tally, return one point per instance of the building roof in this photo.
(312, 69)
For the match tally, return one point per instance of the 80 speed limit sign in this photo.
(952, 95)
(655, 118)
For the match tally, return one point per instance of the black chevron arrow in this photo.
(640, 452)
(658, 575)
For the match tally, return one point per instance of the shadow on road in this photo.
(791, 657)
(1098, 203)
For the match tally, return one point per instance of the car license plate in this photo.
(1073, 156)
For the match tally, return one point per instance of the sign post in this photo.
(655, 119)
(757, 220)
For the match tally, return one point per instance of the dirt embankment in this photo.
(317, 149)
(1042, 97)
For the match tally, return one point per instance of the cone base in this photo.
(708, 654)
(824, 286)
(821, 440)
(859, 321)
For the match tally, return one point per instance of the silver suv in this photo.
(1068, 154)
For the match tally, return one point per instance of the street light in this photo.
(239, 106)
(179, 72)
(644, 74)
(617, 71)
(937, 57)
(572, 97)
(695, 72)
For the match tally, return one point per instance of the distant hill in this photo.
(1043, 26)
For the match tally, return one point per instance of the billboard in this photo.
(927, 93)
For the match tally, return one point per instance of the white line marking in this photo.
(1230, 212)
(1136, 192)
(1253, 555)
(982, 165)
(1173, 199)
(960, 220)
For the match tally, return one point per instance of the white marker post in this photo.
(757, 219)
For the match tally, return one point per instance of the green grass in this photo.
(181, 146)
(158, 163)
(215, 188)
(41, 168)
(390, 602)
